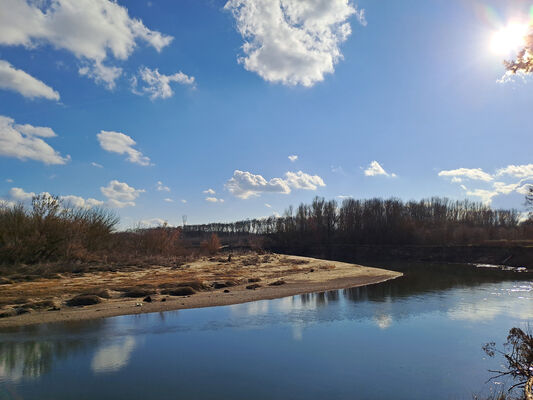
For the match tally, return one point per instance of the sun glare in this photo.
(509, 39)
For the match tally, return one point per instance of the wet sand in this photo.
(299, 275)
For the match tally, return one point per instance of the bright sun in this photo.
(509, 39)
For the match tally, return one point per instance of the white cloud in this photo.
(24, 142)
(19, 194)
(23, 83)
(343, 197)
(94, 164)
(486, 195)
(161, 187)
(292, 42)
(375, 169)
(469, 173)
(169, 200)
(90, 29)
(184, 201)
(120, 194)
(301, 180)
(518, 171)
(8, 180)
(268, 205)
(209, 191)
(101, 73)
(153, 222)
(117, 142)
(244, 184)
(80, 202)
(293, 157)
(214, 200)
(157, 85)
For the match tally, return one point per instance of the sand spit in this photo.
(213, 281)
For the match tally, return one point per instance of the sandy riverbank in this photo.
(245, 278)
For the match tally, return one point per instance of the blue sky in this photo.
(161, 109)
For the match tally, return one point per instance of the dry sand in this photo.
(299, 274)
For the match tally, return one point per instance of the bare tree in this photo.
(518, 356)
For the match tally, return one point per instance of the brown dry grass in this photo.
(204, 275)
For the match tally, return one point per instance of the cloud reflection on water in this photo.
(111, 358)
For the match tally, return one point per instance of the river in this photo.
(416, 337)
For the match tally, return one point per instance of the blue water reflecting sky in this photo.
(417, 337)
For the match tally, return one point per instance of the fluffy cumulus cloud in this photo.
(293, 158)
(92, 30)
(80, 202)
(505, 181)
(19, 194)
(157, 85)
(518, 171)
(292, 42)
(209, 191)
(117, 142)
(244, 184)
(301, 180)
(120, 194)
(375, 169)
(459, 174)
(25, 142)
(23, 83)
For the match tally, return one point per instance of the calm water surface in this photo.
(418, 337)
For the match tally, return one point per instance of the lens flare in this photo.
(509, 39)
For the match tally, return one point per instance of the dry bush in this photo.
(212, 246)
(51, 231)
(83, 300)
(179, 291)
(277, 283)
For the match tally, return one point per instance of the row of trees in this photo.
(435, 221)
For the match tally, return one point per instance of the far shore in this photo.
(242, 279)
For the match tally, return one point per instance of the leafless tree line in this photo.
(434, 221)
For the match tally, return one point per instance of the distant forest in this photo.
(435, 221)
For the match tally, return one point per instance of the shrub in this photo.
(51, 231)
(83, 300)
(180, 291)
(212, 246)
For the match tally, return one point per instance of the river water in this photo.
(417, 337)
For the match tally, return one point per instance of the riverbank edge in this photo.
(216, 298)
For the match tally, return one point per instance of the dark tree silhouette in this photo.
(518, 357)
